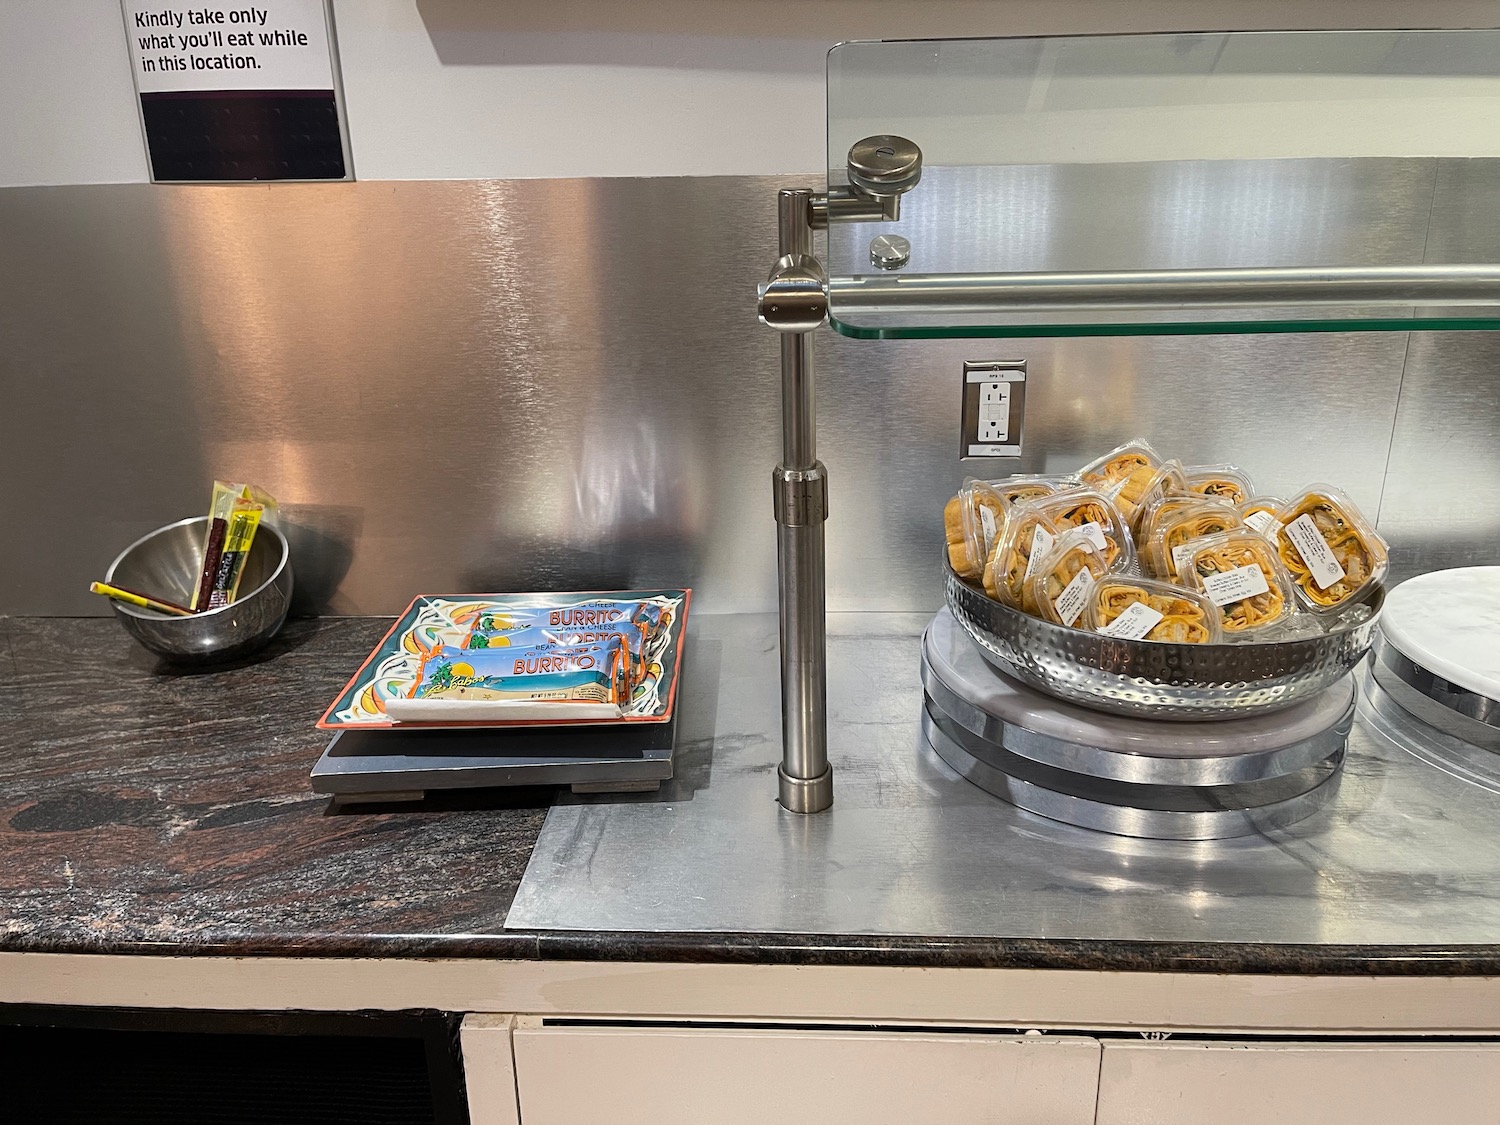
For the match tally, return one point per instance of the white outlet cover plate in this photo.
(996, 390)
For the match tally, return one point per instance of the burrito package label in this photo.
(591, 673)
(621, 649)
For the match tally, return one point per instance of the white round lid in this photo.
(954, 659)
(1449, 623)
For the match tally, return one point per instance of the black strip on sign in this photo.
(244, 135)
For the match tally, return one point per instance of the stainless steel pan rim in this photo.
(1154, 679)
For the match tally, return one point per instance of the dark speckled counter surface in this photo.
(147, 810)
(144, 809)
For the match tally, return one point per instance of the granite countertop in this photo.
(152, 810)
(147, 809)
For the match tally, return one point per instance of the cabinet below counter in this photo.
(527, 1072)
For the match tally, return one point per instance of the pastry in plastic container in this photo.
(1139, 609)
(1091, 510)
(1172, 533)
(1137, 492)
(1119, 464)
(1028, 536)
(1259, 514)
(1059, 587)
(1222, 482)
(1157, 512)
(1023, 487)
(1332, 553)
(972, 520)
(1240, 573)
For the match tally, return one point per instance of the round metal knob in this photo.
(885, 165)
(889, 251)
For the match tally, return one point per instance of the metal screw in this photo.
(889, 251)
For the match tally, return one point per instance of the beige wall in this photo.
(443, 89)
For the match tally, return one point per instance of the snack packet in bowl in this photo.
(1330, 549)
(1259, 514)
(972, 521)
(1030, 487)
(1240, 573)
(1091, 510)
(1173, 532)
(1222, 482)
(1059, 587)
(1029, 534)
(1140, 609)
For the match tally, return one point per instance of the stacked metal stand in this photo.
(1438, 655)
(1193, 780)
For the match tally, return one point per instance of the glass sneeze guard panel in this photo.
(1104, 184)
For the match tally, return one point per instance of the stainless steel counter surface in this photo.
(1407, 855)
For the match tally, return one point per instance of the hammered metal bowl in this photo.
(1154, 679)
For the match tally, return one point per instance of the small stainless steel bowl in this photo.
(167, 564)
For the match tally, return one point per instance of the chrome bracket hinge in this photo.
(795, 297)
(881, 170)
(800, 496)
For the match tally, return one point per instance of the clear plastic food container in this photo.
(1193, 519)
(1240, 573)
(1093, 512)
(1158, 511)
(1058, 589)
(1136, 493)
(1025, 541)
(1259, 514)
(1221, 482)
(972, 521)
(1332, 553)
(1139, 609)
(1029, 487)
(1119, 463)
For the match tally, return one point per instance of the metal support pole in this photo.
(795, 301)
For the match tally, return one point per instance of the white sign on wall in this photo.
(237, 91)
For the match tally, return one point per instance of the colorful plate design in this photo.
(492, 620)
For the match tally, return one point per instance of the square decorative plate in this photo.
(651, 621)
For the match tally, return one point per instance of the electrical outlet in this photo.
(994, 394)
(994, 413)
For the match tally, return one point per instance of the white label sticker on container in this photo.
(1263, 523)
(1308, 540)
(1070, 602)
(1095, 534)
(1041, 543)
(1235, 585)
(1137, 620)
(987, 526)
(1182, 555)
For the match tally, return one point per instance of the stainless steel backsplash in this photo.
(493, 385)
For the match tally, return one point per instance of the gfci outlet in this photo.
(994, 401)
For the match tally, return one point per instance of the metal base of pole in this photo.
(805, 795)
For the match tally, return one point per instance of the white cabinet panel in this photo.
(670, 1076)
(489, 1073)
(1299, 1083)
